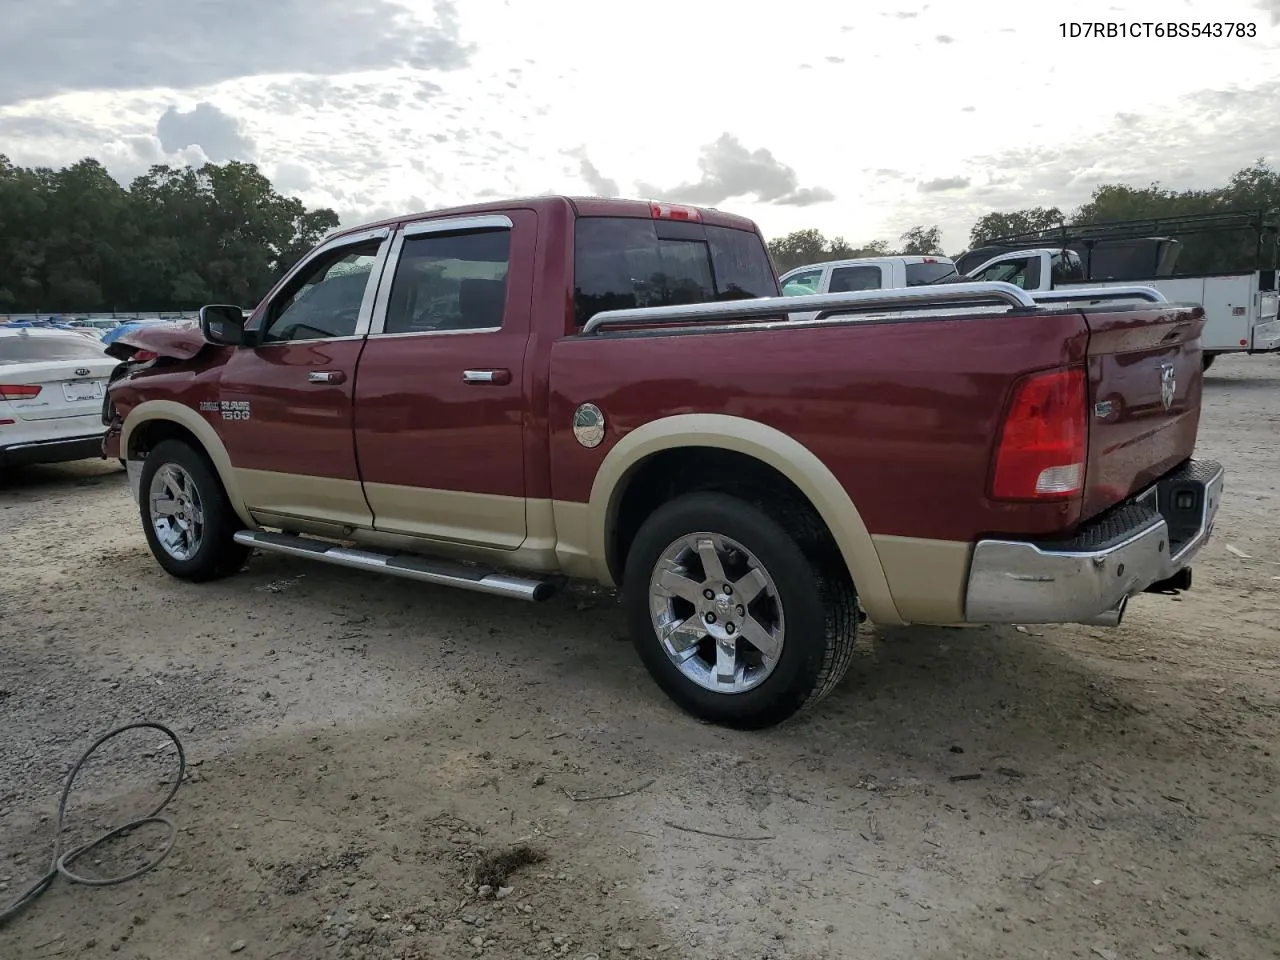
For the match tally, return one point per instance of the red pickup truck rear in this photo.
(501, 396)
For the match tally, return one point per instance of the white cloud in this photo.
(870, 125)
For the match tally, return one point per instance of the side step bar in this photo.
(411, 567)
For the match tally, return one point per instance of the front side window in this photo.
(1024, 272)
(1067, 267)
(323, 300)
(621, 263)
(802, 284)
(450, 281)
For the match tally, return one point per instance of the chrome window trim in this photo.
(378, 319)
(493, 221)
(364, 317)
(437, 333)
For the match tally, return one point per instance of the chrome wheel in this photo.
(177, 514)
(716, 612)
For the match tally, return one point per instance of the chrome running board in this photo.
(409, 566)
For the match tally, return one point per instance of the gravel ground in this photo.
(360, 749)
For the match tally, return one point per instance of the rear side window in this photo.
(621, 263)
(919, 274)
(450, 281)
(852, 279)
(33, 347)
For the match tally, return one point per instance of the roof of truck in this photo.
(582, 206)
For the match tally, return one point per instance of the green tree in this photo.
(76, 240)
(1019, 221)
(803, 247)
(922, 242)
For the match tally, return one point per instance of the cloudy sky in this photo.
(858, 119)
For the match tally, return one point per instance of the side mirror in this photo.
(224, 324)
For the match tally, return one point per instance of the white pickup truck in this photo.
(864, 273)
(1242, 305)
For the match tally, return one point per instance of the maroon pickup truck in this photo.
(504, 396)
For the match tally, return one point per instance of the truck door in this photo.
(284, 407)
(440, 405)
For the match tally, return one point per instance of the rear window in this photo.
(919, 274)
(620, 263)
(33, 347)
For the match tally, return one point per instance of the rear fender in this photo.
(150, 411)
(768, 445)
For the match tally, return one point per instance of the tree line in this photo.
(74, 239)
(1256, 187)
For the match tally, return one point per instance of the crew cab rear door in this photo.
(284, 408)
(440, 409)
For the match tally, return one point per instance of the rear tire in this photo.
(751, 666)
(186, 516)
(1206, 360)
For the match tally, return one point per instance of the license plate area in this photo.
(76, 390)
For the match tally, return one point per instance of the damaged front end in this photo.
(138, 350)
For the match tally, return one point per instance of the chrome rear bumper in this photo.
(1090, 578)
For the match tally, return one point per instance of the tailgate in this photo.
(1145, 381)
(54, 389)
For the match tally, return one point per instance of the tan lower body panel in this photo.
(476, 518)
(927, 578)
(318, 499)
(533, 536)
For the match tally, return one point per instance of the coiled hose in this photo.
(61, 863)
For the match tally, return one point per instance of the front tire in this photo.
(186, 516)
(736, 622)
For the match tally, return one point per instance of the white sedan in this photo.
(51, 388)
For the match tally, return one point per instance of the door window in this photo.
(1023, 272)
(323, 300)
(450, 281)
(802, 284)
(851, 279)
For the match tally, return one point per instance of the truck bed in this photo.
(905, 411)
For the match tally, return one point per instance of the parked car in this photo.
(52, 385)
(501, 396)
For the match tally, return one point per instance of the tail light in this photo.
(19, 391)
(674, 211)
(1044, 438)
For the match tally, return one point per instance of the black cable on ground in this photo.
(61, 863)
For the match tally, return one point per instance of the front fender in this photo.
(150, 411)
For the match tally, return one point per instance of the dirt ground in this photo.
(357, 745)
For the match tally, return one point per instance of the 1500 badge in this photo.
(230, 409)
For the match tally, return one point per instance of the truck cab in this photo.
(863, 273)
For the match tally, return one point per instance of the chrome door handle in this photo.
(486, 376)
(326, 376)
